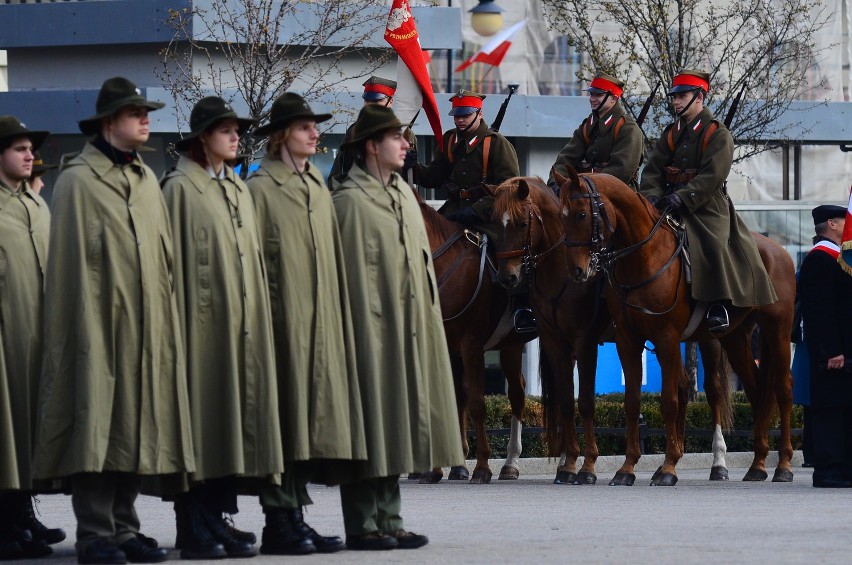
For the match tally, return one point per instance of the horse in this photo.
(473, 308)
(611, 228)
(572, 319)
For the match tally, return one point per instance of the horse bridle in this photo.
(603, 260)
(529, 262)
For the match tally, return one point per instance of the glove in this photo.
(410, 159)
(464, 216)
(653, 199)
(669, 202)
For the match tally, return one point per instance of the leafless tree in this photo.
(769, 45)
(255, 50)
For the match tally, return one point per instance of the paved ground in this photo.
(533, 521)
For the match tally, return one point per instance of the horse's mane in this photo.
(506, 202)
(435, 222)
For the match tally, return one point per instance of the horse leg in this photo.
(587, 362)
(775, 360)
(630, 355)
(460, 472)
(738, 348)
(474, 369)
(671, 399)
(510, 361)
(560, 359)
(718, 397)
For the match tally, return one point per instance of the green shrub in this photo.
(609, 413)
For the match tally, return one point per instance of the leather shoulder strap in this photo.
(486, 148)
(708, 132)
(618, 125)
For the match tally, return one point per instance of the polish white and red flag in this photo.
(845, 258)
(492, 53)
(414, 87)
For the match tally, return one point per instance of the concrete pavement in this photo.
(533, 521)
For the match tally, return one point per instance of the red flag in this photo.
(845, 258)
(493, 51)
(401, 33)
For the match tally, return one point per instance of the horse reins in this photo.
(481, 243)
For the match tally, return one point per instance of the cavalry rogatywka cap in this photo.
(466, 102)
(115, 93)
(285, 109)
(603, 83)
(208, 112)
(690, 79)
(12, 128)
(826, 212)
(378, 88)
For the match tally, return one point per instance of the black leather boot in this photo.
(280, 537)
(25, 518)
(324, 544)
(197, 542)
(239, 535)
(233, 547)
(18, 543)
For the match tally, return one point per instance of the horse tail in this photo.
(550, 401)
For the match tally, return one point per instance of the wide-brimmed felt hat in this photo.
(12, 128)
(40, 167)
(115, 93)
(466, 102)
(371, 120)
(287, 108)
(208, 112)
(826, 212)
(690, 79)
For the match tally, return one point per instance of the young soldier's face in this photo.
(16, 162)
(680, 100)
(129, 128)
(390, 151)
(471, 120)
(222, 141)
(302, 137)
(596, 101)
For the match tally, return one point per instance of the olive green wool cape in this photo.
(226, 324)
(24, 232)
(113, 389)
(317, 382)
(403, 363)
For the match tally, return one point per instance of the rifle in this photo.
(501, 113)
(643, 113)
(733, 109)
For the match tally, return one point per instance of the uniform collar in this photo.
(609, 119)
(700, 121)
(6, 193)
(281, 173)
(200, 177)
(472, 138)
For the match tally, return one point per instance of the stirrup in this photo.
(524, 321)
(717, 318)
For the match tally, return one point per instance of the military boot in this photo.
(280, 537)
(324, 544)
(25, 518)
(196, 540)
(233, 546)
(239, 535)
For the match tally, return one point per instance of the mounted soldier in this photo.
(608, 141)
(474, 156)
(685, 176)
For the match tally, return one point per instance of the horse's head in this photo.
(517, 218)
(587, 224)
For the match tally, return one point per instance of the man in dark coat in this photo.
(825, 292)
(24, 231)
(685, 176)
(377, 90)
(608, 141)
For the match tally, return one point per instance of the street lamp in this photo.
(487, 18)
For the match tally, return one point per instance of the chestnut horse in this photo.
(571, 317)
(472, 307)
(611, 228)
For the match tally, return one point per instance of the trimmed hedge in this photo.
(609, 413)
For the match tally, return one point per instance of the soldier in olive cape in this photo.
(403, 364)
(226, 320)
(321, 421)
(113, 400)
(377, 90)
(608, 141)
(685, 175)
(24, 233)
